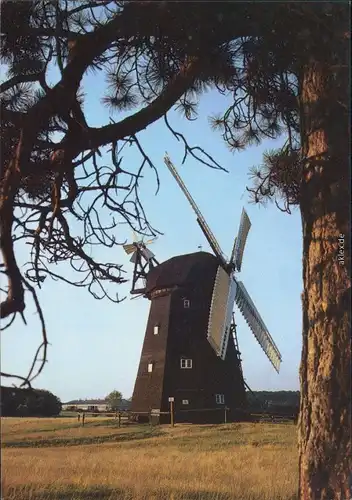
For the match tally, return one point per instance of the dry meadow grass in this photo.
(56, 459)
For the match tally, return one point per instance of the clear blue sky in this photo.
(95, 345)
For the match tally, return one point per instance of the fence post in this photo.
(150, 418)
(225, 415)
(83, 419)
(119, 419)
(172, 415)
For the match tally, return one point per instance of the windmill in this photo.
(190, 350)
(227, 290)
(143, 260)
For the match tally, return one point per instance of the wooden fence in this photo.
(153, 417)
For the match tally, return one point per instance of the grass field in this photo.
(56, 459)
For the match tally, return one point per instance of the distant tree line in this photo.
(273, 400)
(17, 402)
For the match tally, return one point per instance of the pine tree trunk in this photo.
(325, 376)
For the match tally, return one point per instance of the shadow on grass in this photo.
(104, 493)
(83, 440)
(77, 425)
(51, 429)
(205, 440)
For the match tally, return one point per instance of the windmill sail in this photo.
(129, 248)
(148, 242)
(200, 219)
(231, 261)
(257, 325)
(240, 241)
(220, 314)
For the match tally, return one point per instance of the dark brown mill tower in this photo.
(190, 350)
(177, 360)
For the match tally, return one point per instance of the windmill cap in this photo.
(182, 270)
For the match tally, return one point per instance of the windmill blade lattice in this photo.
(257, 325)
(129, 248)
(200, 219)
(240, 241)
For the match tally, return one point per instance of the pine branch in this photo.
(97, 137)
(15, 80)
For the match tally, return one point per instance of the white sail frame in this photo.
(257, 325)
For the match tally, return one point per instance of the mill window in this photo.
(186, 363)
(186, 303)
(156, 329)
(150, 367)
(185, 401)
(220, 399)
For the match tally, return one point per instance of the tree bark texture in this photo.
(325, 372)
